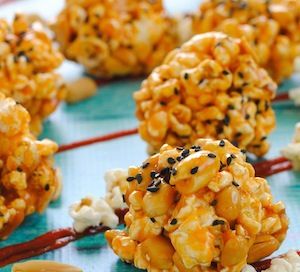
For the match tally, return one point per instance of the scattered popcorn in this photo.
(288, 263)
(210, 87)
(28, 61)
(28, 179)
(80, 89)
(271, 27)
(92, 212)
(176, 222)
(294, 94)
(292, 150)
(44, 266)
(116, 186)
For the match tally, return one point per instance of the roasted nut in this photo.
(80, 89)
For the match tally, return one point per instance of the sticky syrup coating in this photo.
(271, 27)
(28, 179)
(210, 87)
(28, 61)
(198, 209)
(115, 38)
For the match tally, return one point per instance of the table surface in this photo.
(112, 109)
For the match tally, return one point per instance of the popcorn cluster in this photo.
(210, 87)
(271, 27)
(115, 38)
(198, 209)
(28, 180)
(27, 63)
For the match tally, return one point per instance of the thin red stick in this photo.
(99, 139)
(281, 97)
(273, 166)
(49, 241)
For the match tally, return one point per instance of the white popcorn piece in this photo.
(288, 263)
(91, 212)
(294, 94)
(292, 150)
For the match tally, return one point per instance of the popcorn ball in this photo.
(28, 180)
(27, 63)
(272, 27)
(115, 38)
(198, 209)
(210, 87)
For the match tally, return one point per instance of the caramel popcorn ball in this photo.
(198, 209)
(272, 28)
(210, 87)
(27, 63)
(115, 38)
(28, 180)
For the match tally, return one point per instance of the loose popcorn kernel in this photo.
(219, 220)
(210, 87)
(271, 27)
(28, 179)
(115, 38)
(28, 61)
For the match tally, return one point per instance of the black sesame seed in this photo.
(235, 184)
(152, 174)
(186, 76)
(230, 107)
(233, 156)
(47, 187)
(247, 116)
(180, 148)
(173, 221)
(226, 120)
(263, 138)
(225, 72)
(179, 158)
(201, 81)
(214, 202)
(139, 178)
(194, 170)
(171, 160)
(166, 174)
(244, 151)
(152, 219)
(211, 155)
(123, 197)
(222, 143)
(222, 166)
(238, 135)
(163, 103)
(240, 74)
(229, 160)
(218, 222)
(152, 189)
(185, 153)
(176, 91)
(19, 169)
(129, 179)
(145, 165)
(174, 172)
